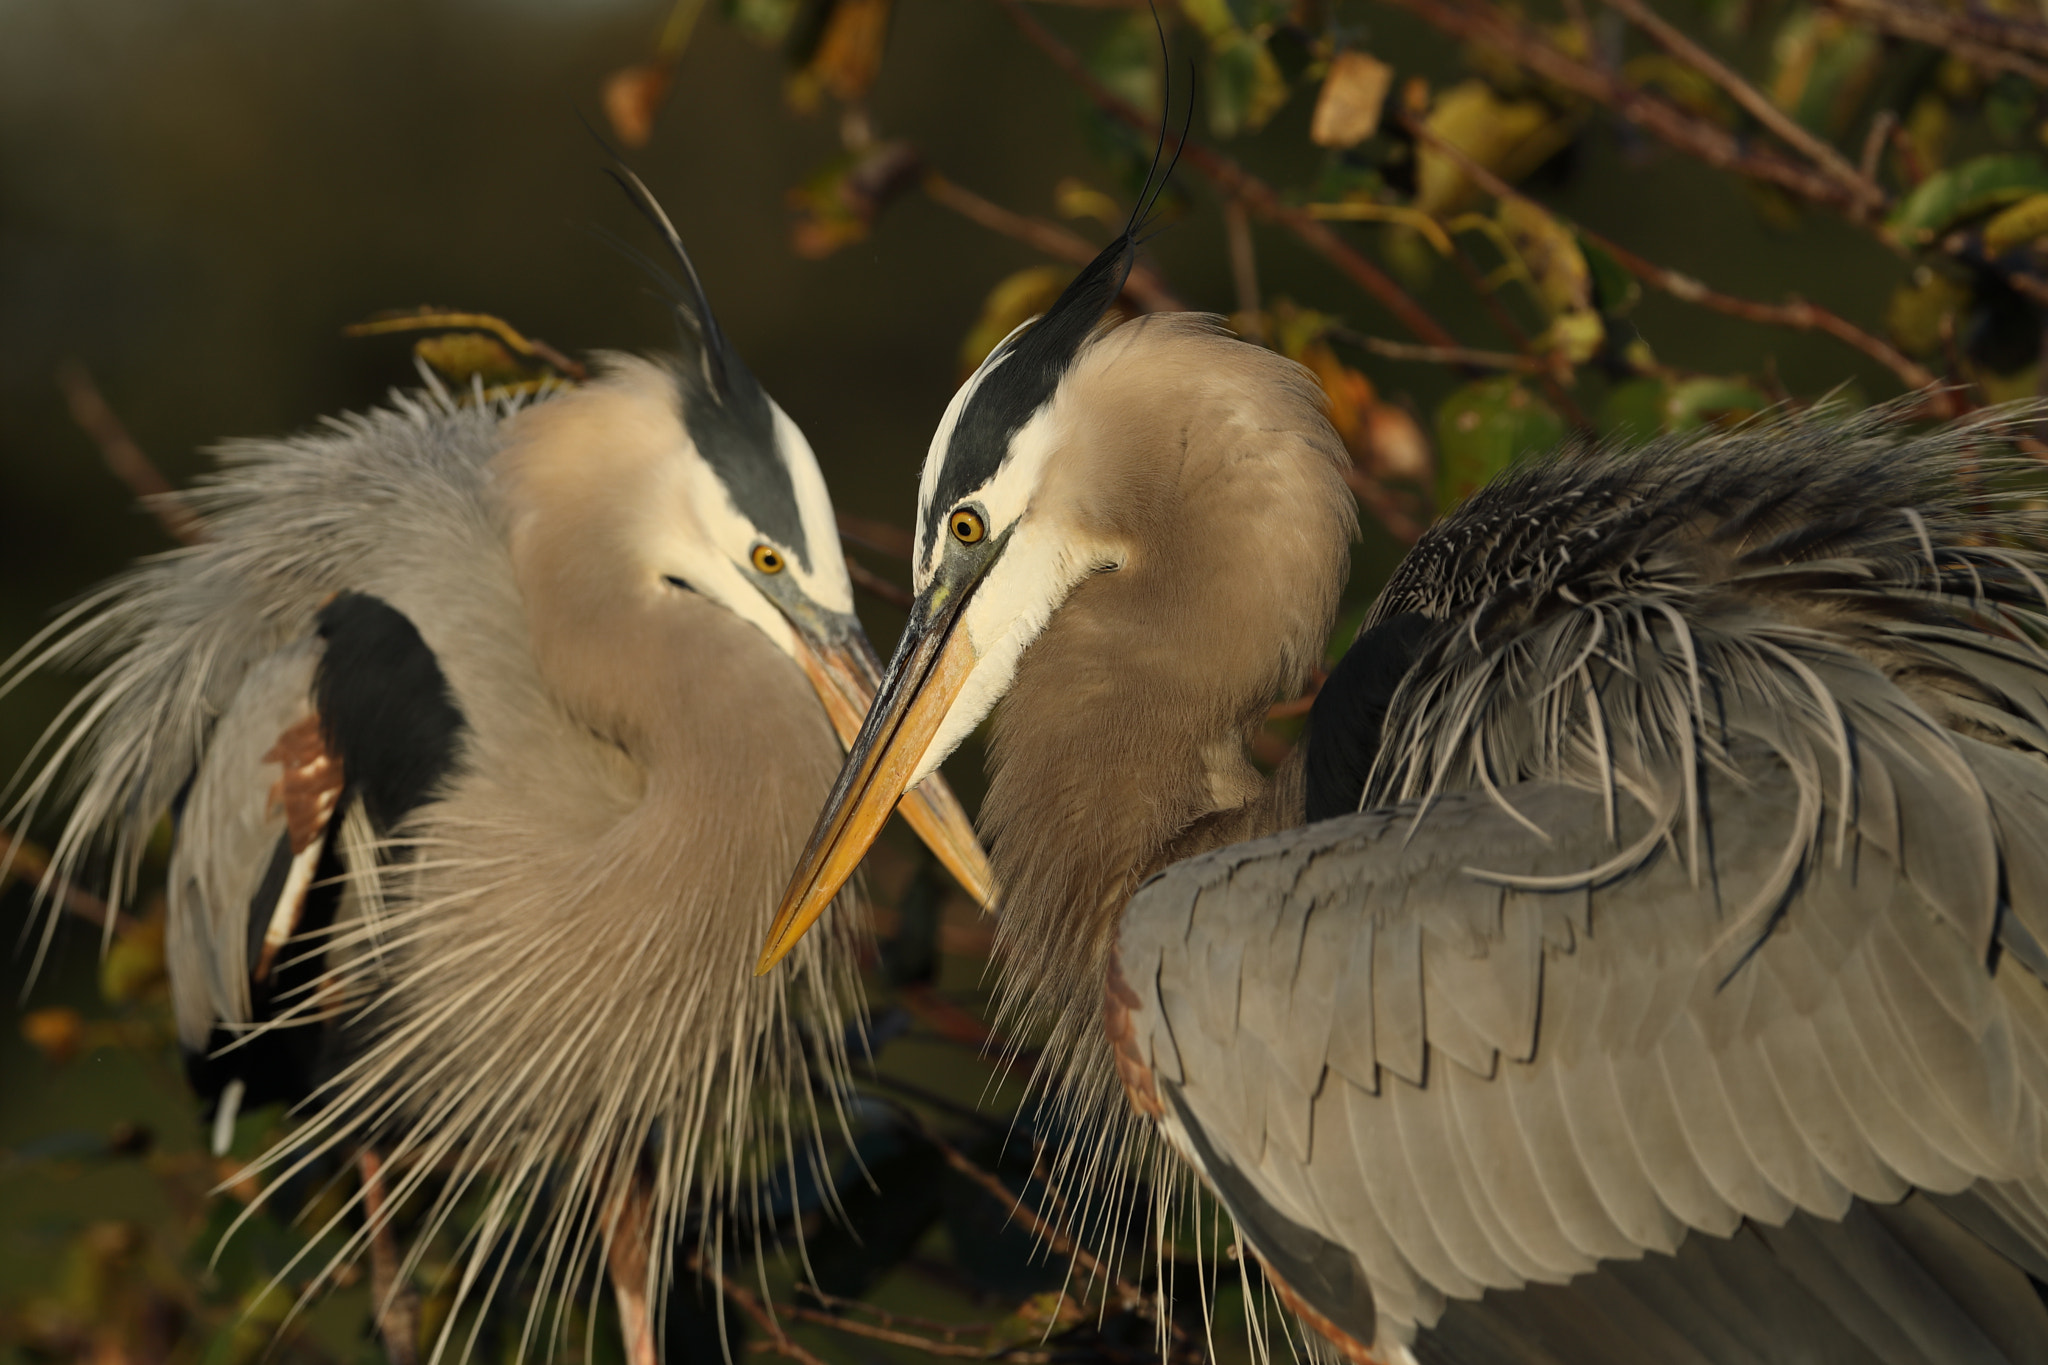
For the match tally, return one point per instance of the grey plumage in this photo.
(535, 983)
(1687, 946)
(1744, 733)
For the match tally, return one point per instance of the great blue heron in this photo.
(490, 729)
(1663, 979)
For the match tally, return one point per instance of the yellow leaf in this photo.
(134, 966)
(1576, 335)
(1549, 251)
(464, 356)
(1076, 198)
(2017, 225)
(849, 52)
(1023, 295)
(1348, 109)
(1509, 137)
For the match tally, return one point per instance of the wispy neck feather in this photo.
(1123, 743)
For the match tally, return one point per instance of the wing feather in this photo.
(1679, 1085)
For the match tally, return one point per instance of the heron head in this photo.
(1012, 515)
(661, 486)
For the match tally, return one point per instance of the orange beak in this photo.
(929, 670)
(847, 676)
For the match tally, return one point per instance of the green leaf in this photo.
(1245, 85)
(1647, 407)
(1948, 197)
(1615, 291)
(767, 20)
(1925, 307)
(1483, 428)
(1824, 66)
(1127, 61)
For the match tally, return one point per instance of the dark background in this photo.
(197, 195)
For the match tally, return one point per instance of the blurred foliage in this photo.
(1460, 168)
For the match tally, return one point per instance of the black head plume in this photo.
(1019, 378)
(724, 408)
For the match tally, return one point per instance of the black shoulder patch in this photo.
(385, 706)
(1024, 381)
(1344, 724)
(1324, 1274)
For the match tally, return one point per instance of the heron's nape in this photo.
(492, 728)
(1670, 979)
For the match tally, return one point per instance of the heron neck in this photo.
(1123, 745)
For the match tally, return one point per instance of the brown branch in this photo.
(1991, 42)
(888, 1319)
(1144, 287)
(778, 1340)
(1383, 505)
(872, 583)
(768, 1314)
(1860, 185)
(23, 859)
(1796, 313)
(1233, 181)
(879, 536)
(1128, 1294)
(429, 319)
(1438, 355)
(1684, 132)
(123, 456)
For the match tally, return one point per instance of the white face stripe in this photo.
(826, 581)
(924, 564)
(710, 546)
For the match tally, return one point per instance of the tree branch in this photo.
(28, 861)
(123, 456)
(1144, 286)
(1989, 41)
(1680, 130)
(1865, 190)
(1234, 181)
(1797, 313)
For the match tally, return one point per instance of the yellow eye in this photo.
(766, 560)
(966, 527)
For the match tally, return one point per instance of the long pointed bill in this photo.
(930, 667)
(847, 675)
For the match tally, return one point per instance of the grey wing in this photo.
(240, 870)
(1421, 1050)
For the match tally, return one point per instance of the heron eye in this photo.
(766, 560)
(967, 527)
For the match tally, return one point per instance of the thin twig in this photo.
(1988, 41)
(1234, 182)
(1383, 505)
(1874, 141)
(1388, 349)
(1681, 130)
(839, 1305)
(778, 1339)
(872, 583)
(1130, 1295)
(879, 536)
(21, 858)
(1787, 129)
(1144, 287)
(1796, 313)
(123, 456)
